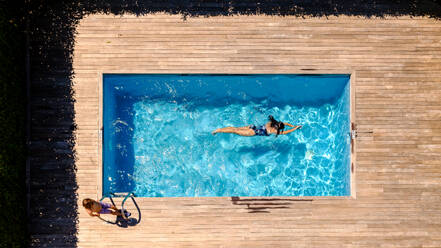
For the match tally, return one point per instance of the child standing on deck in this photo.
(95, 208)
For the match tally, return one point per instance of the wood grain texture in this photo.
(397, 62)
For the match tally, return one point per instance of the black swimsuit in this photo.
(259, 130)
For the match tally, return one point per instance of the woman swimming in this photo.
(271, 127)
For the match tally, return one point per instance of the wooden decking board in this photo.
(397, 62)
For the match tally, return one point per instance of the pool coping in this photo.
(352, 127)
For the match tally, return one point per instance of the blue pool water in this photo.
(158, 142)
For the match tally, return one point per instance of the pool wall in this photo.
(352, 120)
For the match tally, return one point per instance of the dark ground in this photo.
(12, 128)
(52, 215)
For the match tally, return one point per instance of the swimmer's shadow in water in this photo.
(264, 205)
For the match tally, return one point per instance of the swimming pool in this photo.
(157, 139)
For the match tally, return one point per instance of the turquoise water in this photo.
(158, 141)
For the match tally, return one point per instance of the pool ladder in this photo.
(126, 196)
(353, 135)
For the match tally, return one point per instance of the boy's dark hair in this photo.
(276, 124)
(87, 203)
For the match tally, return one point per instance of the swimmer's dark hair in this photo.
(276, 124)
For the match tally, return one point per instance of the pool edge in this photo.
(352, 121)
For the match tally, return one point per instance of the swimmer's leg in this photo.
(242, 131)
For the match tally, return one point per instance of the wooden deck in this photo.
(397, 63)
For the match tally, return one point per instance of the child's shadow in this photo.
(121, 222)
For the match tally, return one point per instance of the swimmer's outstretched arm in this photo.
(291, 130)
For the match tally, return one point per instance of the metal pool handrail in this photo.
(126, 196)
